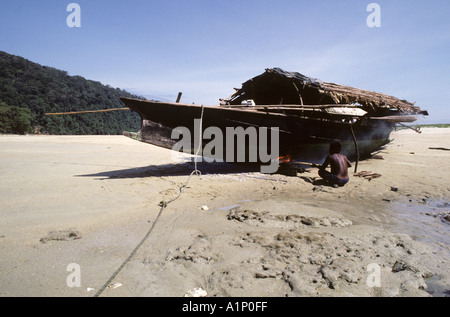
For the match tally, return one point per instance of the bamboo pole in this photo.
(295, 106)
(302, 163)
(179, 97)
(356, 147)
(86, 111)
(412, 128)
(397, 119)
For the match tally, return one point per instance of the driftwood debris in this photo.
(439, 148)
(367, 175)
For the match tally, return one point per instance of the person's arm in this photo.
(325, 163)
(348, 163)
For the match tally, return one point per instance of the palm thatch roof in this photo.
(277, 86)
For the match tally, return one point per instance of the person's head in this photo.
(335, 148)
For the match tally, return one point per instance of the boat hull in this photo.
(301, 138)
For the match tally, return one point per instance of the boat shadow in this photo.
(179, 169)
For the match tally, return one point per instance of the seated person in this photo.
(339, 166)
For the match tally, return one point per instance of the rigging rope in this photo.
(163, 205)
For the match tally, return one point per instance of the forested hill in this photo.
(29, 90)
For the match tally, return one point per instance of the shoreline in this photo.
(262, 235)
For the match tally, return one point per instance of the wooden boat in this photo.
(307, 113)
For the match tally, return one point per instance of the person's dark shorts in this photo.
(332, 179)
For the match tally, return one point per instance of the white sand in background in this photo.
(263, 235)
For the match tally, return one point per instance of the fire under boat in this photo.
(306, 113)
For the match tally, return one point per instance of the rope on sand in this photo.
(163, 205)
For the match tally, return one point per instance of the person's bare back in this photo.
(339, 166)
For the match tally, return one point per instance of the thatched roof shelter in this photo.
(277, 86)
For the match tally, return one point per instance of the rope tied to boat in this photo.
(163, 205)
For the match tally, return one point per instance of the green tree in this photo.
(41, 89)
(14, 119)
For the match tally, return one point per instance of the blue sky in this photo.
(205, 48)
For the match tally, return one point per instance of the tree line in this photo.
(28, 91)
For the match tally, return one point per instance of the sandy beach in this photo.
(90, 200)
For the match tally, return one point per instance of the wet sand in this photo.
(90, 200)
